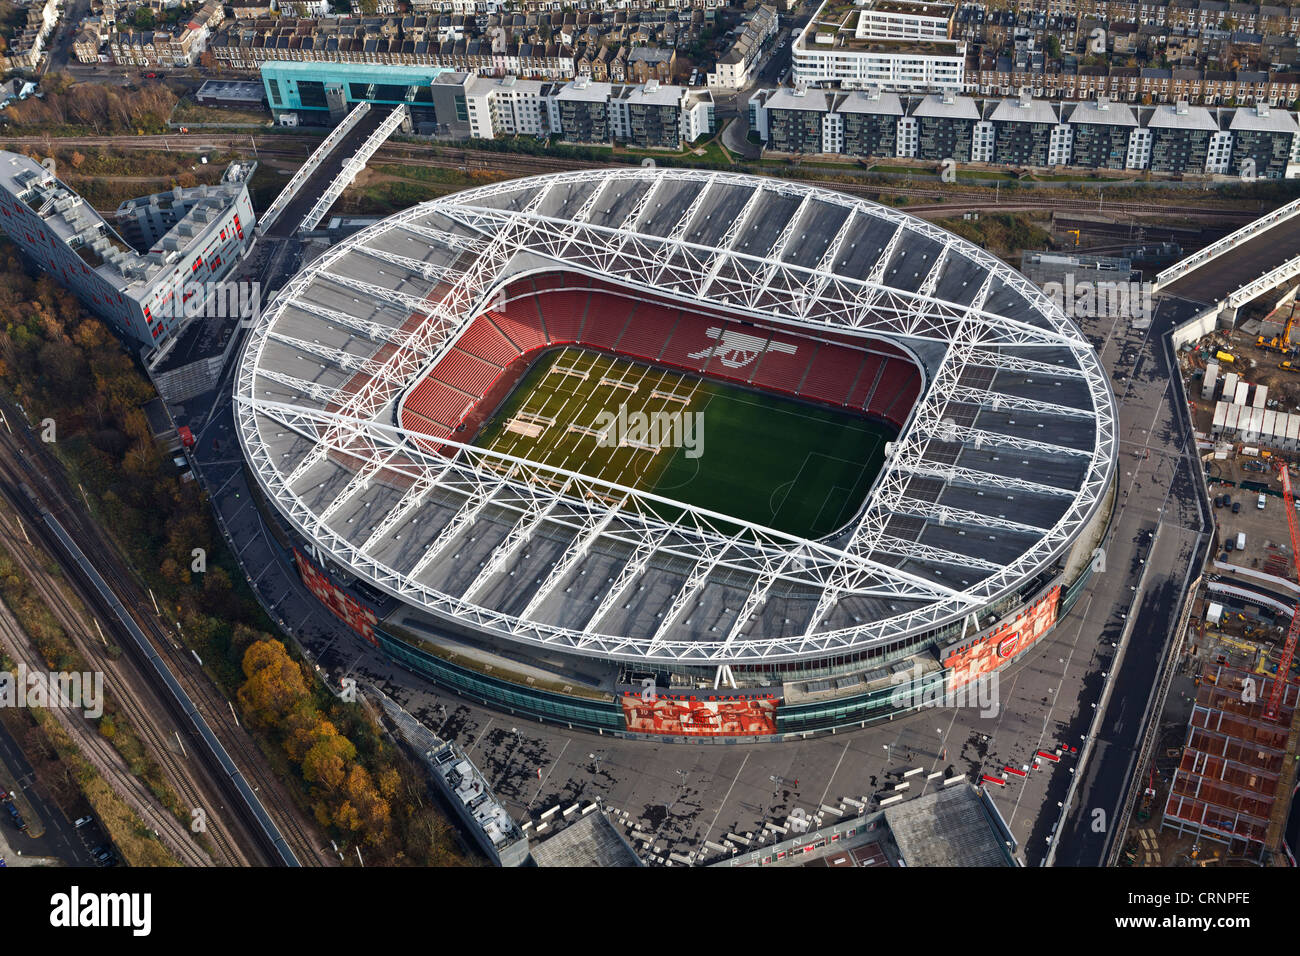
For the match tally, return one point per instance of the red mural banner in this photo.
(339, 603)
(1005, 642)
(738, 717)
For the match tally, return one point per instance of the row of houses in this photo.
(1251, 142)
(1129, 42)
(617, 52)
(1143, 85)
(99, 40)
(851, 45)
(25, 47)
(735, 69)
(1193, 14)
(530, 6)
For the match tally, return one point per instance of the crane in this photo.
(1283, 342)
(1288, 648)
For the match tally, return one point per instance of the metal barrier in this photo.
(307, 169)
(1230, 241)
(352, 168)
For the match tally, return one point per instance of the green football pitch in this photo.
(757, 456)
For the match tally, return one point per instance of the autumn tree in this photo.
(275, 683)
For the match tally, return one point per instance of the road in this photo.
(59, 840)
(1158, 489)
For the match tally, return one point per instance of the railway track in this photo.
(291, 147)
(140, 704)
(97, 750)
(211, 706)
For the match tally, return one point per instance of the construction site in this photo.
(1219, 786)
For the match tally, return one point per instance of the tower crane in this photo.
(1288, 648)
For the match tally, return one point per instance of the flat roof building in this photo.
(145, 295)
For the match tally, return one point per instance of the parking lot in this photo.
(1265, 528)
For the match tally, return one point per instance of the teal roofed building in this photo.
(320, 94)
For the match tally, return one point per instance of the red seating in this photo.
(466, 372)
(605, 321)
(781, 369)
(647, 331)
(564, 313)
(521, 324)
(866, 383)
(831, 375)
(901, 407)
(483, 340)
(694, 342)
(559, 309)
(894, 379)
(427, 426)
(440, 403)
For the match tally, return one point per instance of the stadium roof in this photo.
(1006, 457)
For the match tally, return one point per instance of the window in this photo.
(311, 93)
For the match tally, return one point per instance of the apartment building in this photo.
(190, 239)
(1181, 139)
(892, 45)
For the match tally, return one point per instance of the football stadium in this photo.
(679, 453)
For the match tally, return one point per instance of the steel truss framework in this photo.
(502, 234)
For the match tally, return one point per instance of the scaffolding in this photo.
(1235, 774)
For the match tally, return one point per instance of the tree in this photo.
(275, 683)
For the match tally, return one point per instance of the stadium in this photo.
(679, 453)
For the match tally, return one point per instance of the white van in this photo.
(1241, 541)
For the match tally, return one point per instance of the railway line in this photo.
(174, 835)
(951, 201)
(215, 712)
(141, 705)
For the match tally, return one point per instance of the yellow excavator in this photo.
(1283, 342)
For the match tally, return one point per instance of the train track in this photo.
(214, 709)
(140, 702)
(291, 147)
(177, 837)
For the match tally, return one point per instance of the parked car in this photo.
(1218, 501)
(1259, 502)
(1236, 507)
(83, 821)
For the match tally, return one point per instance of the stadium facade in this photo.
(545, 588)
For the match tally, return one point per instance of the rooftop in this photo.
(956, 826)
(949, 538)
(591, 840)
